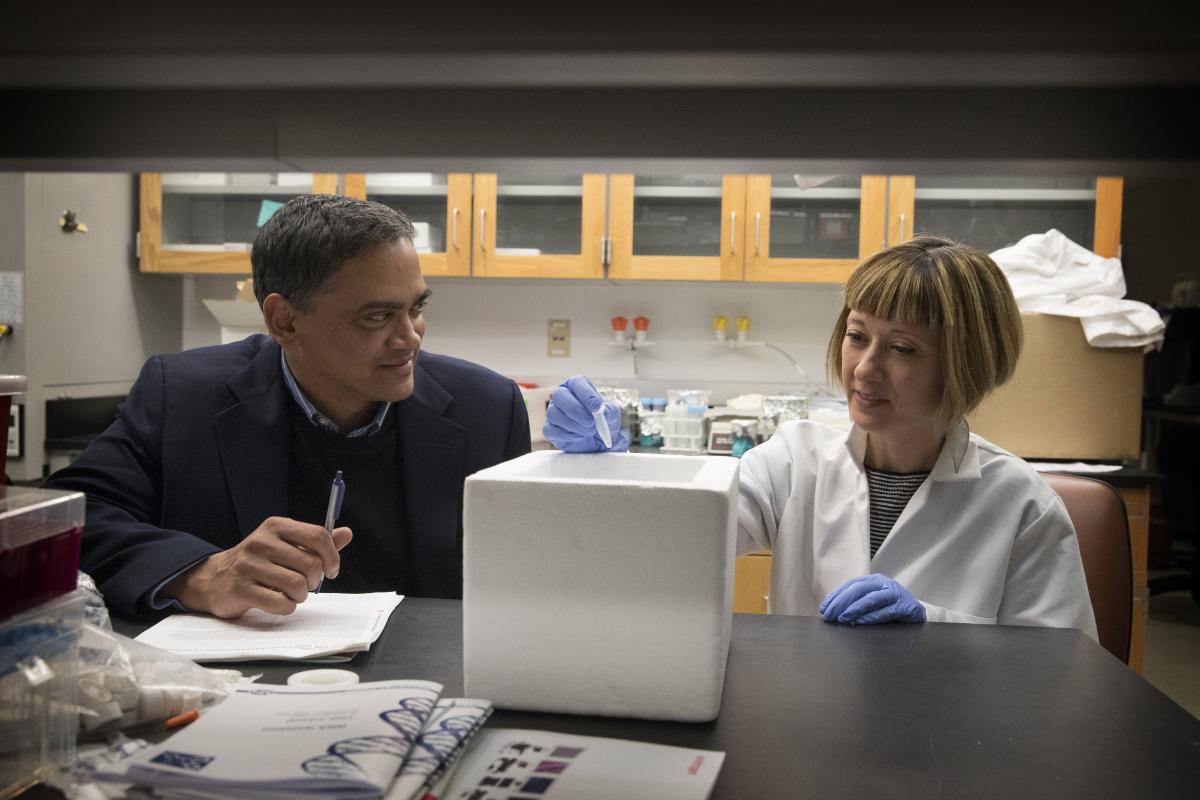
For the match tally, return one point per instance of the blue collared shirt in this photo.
(320, 420)
(316, 418)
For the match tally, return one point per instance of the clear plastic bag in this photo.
(124, 683)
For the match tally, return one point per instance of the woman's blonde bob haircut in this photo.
(954, 289)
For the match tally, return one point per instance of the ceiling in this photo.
(914, 87)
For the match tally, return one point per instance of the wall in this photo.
(502, 324)
(91, 319)
(12, 259)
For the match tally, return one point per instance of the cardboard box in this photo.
(1067, 399)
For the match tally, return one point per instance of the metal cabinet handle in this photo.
(482, 228)
(757, 231)
(732, 231)
(900, 233)
(454, 228)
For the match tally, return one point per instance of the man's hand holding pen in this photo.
(274, 568)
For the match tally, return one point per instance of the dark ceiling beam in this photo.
(1062, 129)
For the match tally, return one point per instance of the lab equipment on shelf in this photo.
(650, 422)
(745, 436)
(685, 423)
(779, 408)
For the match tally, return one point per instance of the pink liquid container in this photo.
(40, 531)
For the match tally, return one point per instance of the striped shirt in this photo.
(890, 493)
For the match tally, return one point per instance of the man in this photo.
(209, 491)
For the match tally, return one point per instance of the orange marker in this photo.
(183, 719)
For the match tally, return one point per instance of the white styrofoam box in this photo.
(600, 583)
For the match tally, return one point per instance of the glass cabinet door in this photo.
(439, 206)
(680, 227)
(538, 227)
(205, 222)
(811, 228)
(994, 212)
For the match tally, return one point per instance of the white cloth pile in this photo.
(1050, 274)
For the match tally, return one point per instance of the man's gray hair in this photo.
(298, 250)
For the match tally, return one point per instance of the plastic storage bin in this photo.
(684, 429)
(39, 666)
(39, 546)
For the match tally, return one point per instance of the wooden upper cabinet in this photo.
(439, 206)
(538, 227)
(991, 212)
(1107, 239)
(678, 228)
(206, 222)
(900, 212)
(812, 230)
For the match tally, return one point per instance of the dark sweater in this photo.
(378, 558)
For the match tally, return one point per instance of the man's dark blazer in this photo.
(198, 458)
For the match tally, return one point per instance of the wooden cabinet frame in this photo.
(1106, 228)
(455, 260)
(728, 266)
(760, 266)
(588, 263)
(886, 217)
(153, 257)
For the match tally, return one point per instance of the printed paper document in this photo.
(503, 763)
(326, 626)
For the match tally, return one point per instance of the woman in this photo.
(909, 517)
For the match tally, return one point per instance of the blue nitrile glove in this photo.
(869, 599)
(570, 424)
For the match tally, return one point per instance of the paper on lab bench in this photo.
(328, 626)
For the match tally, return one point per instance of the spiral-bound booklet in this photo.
(290, 741)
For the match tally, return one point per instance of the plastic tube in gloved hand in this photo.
(602, 427)
(578, 417)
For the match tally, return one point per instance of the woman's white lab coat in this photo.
(983, 539)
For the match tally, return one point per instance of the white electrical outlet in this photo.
(558, 338)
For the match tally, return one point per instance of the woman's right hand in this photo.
(570, 421)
